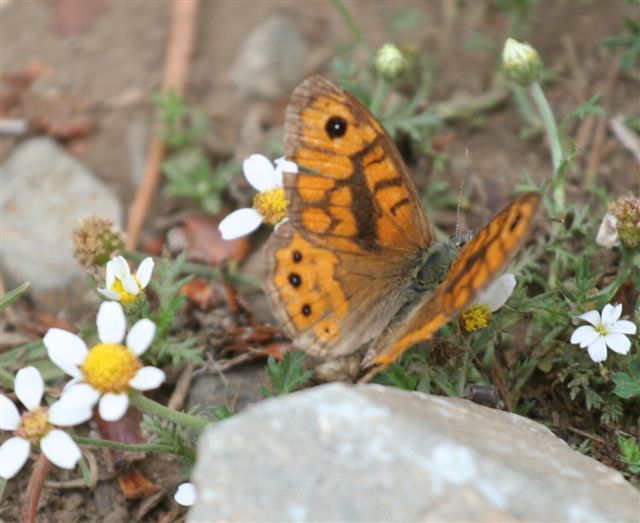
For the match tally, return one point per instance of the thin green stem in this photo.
(379, 94)
(140, 447)
(349, 21)
(152, 407)
(554, 141)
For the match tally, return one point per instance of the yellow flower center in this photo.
(271, 204)
(34, 425)
(125, 297)
(601, 329)
(475, 318)
(109, 367)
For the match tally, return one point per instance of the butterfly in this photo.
(357, 263)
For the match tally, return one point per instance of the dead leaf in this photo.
(200, 292)
(205, 244)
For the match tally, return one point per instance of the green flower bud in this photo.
(390, 62)
(522, 62)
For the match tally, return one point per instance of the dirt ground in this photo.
(114, 65)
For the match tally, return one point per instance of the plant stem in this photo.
(349, 21)
(379, 94)
(152, 407)
(554, 141)
(128, 447)
(34, 488)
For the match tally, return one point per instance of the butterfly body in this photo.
(356, 263)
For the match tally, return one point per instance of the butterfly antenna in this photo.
(460, 191)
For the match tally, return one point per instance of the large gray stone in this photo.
(271, 61)
(43, 193)
(370, 453)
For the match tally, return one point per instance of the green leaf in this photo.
(584, 109)
(288, 375)
(401, 379)
(629, 453)
(13, 295)
(221, 411)
(627, 386)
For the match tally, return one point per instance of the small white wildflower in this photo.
(121, 284)
(269, 205)
(107, 371)
(37, 426)
(186, 494)
(606, 330)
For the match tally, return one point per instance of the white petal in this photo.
(130, 285)
(623, 327)
(584, 335)
(186, 494)
(61, 450)
(110, 278)
(80, 396)
(497, 294)
(593, 317)
(598, 350)
(72, 382)
(113, 406)
(63, 415)
(120, 267)
(611, 313)
(260, 173)
(239, 223)
(145, 269)
(29, 387)
(618, 343)
(140, 336)
(110, 295)
(111, 322)
(285, 166)
(607, 235)
(9, 415)
(13, 455)
(147, 378)
(66, 350)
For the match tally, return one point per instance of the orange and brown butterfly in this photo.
(357, 264)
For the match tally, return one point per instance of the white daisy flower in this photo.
(606, 330)
(108, 370)
(121, 284)
(269, 205)
(186, 494)
(487, 301)
(36, 426)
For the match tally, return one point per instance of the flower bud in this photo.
(390, 62)
(522, 62)
(626, 211)
(95, 241)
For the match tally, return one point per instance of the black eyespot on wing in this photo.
(297, 256)
(336, 127)
(295, 279)
(306, 309)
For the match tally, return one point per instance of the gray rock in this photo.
(43, 193)
(371, 453)
(271, 61)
